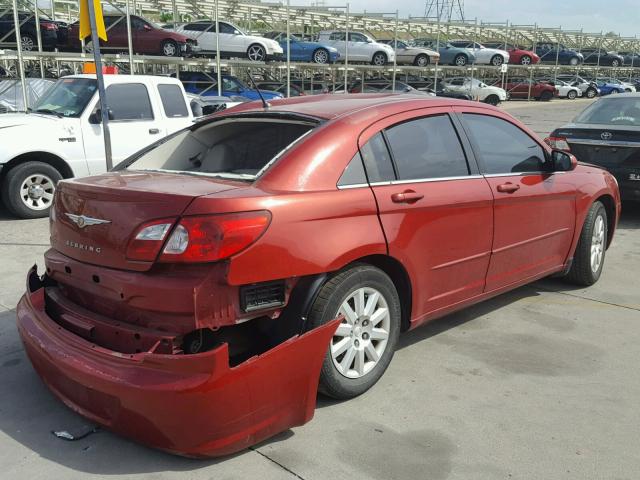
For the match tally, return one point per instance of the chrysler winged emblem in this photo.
(606, 135)
(83, 221)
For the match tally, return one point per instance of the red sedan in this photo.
(517, 55)
(197, 297)
(525, 88)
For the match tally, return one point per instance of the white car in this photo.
(589, 89)
(477, 89)
(564, 89)
(484, 55)
(61, 136)
(361, 47)
(233, 41)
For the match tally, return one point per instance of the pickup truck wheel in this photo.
(28, 189)
(170, 48)
(588, 259)
(363, 344)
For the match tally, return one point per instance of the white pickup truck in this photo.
(61, 136)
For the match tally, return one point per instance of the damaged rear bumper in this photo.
(193, 405)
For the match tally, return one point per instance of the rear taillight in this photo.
(148, 240)
(214, 237)
(559, 143)
(48, 26)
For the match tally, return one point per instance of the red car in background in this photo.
(197, 297)
(147, 38)
(522, 87)
(517, 56)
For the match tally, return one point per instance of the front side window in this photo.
(196, 27)
(357, 37)
(502, 146)
(427, 148)
(129, 101)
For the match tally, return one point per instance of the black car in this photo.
(281, 87)
(607, 134)
(630, 59)
(28, 32)
(595, 56)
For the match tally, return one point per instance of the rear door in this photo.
(174, 107)
(436, 210)
(135, 125)
(534, 212)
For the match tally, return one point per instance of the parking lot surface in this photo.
(539, 383)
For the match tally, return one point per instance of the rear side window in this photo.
(173, 101)
(354, 173)
(503, 147)
(129, 101)
(337, 36)
(377, 160)
(427, 148)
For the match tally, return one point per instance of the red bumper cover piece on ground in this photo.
(193, 405)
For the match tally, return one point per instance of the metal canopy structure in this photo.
(258, 16)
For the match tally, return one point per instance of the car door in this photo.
(134, 125)
(435, 209)
(534, 209)
(203, 33)
(174, 107)
(231, 40)
(359, 48)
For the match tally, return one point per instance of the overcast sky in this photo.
(622, 16)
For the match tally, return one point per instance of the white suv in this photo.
(233, 41)
(361, 47)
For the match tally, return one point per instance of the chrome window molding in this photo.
(602, 143)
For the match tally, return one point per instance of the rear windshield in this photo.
(612, 111)
(235, 148)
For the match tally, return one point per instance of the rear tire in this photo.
(364, 343)
(615, 63)
(492, 100)
(29, 42)
(591, 93)
(525, 60)
(588, 260)
(573, 61)
(27, 190)
(546, 96)
(460, 60)
(497, 60)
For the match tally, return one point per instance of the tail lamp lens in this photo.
(214, 237)
(147, 243)
(559, 143)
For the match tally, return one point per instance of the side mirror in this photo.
(96, 117)
(147, 28)
(562, 161)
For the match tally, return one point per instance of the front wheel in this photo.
(460, 60)
(574, 61)
(28, 189)
(588, 259)
(170, 48)
(546, 96)
(615, 63)
(591, 93)
(256, 53)
(379, 59)
(363, 344)
(497, 60)
(492, 100)
(321, 56)
(525, 60)
(614, 92)
(421, 60)
(571, 94)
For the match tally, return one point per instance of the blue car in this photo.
(305, 51)
(204, 84)
(607, 88)
(549, 52)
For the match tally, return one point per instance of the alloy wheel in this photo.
(573, 62)
(27, 43)
(591, 93)
(461, 61)
(597, 243)
(169, 49)
(256, 53)
(497, 61)
(36, 192)
(361, 339)
(321, 56)
(422, 61)
(379, 59)
(526, 60)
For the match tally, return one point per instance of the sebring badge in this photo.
(83, 221)
(606, 135)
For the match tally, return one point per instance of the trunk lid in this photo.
(116, 205)
(604, 146)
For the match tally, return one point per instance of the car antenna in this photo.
(265, 104)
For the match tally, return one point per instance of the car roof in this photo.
(111, 79)
(332, 106)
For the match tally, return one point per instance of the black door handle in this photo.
(154, 131)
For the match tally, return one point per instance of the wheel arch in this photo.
(39, 156)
